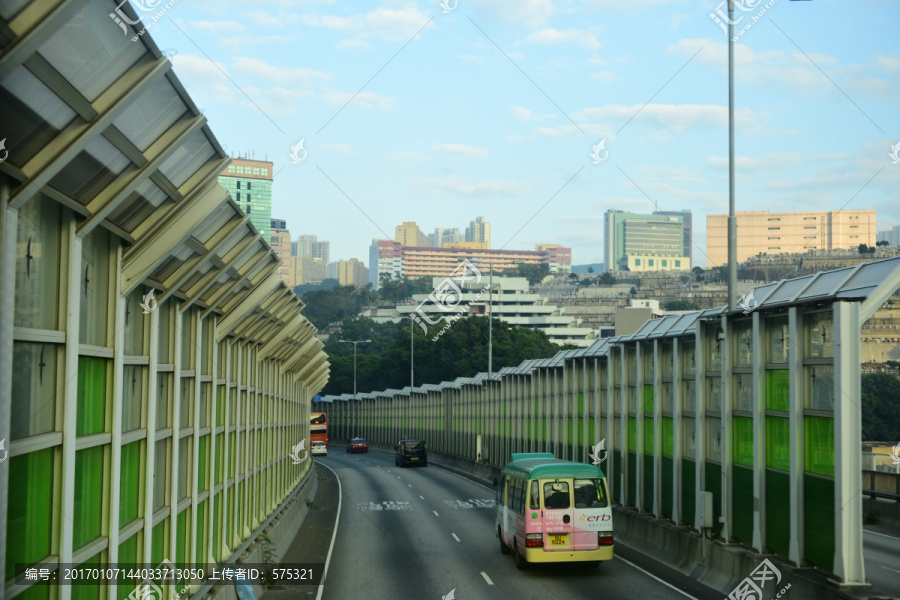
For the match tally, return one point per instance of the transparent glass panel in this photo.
(689, 398)
(820, 387)
(163, 400)
(714, 394)
(150, 115)
(713, 350)
(187, 158)
(91, 171)
(689, 358)
(205, 394)
(743, 340)
(818, 439)
(90, 51)
(186, 413)
(161, 475)
(778, 443)
(743, 440)
(714, 439)
(136, 322)
(135, 209)
(689, 439)
(95, 288)
(667, 397)
(777, 340)
(39, 228)
(819, 329)
(778, 389)
(132, 396)
(166, 327)
(743, 393)
(34, 389)
(185, 466)
(188, 340)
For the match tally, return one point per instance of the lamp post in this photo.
(412, 379)
(354, 342)
(732, 218)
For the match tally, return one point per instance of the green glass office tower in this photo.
(250, 184)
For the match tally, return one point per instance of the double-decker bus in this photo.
(551, 510)
(318, 428)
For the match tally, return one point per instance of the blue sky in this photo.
(493, 108)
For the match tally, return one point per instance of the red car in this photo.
(358, 445)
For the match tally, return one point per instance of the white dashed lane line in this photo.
(454, 537)
(435, 513)
(486, 578)
(422, 497)
(409, 484)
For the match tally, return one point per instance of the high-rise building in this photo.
(388, 259)
(333, 270)
(309, 245)
(306, 269)
(891, 236)
(479, 230)
(409, 234)
(353, 272)
(762, 232)
(688, 222)
(250, 184)
(281, 244)
(443, 236)
(640, 242)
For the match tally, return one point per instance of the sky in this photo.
(414, 111)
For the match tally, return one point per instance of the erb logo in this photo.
(595, 518)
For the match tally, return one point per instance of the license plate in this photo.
(414, 458)
(558, 540)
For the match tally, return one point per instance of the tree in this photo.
(863, 249)
(590, 270)
(682, 305)
(880, 407)
(871, 249)
(698, 273)
(534, 273)
(883, 243)
(573, 277)
(607, 278)
(633, 291)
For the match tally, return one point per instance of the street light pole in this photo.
(412, 379)
(354, 342)
(732, 218)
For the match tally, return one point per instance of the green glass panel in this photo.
(668, 433)
(818, 439)
(688, 490)
(181, 537)
(91, 413)
(778, 520)
(88, 509)
(648, 435)
(648, 399)
(219, 455)
(580, 403)
(216, 525)
(632, 434)
(667, 481)
(631, 479)
(743, 440)
(130, 493)
(649, 481)
(88, 590)
(203, 464)
(778, 390)
(160, 547)
(220, 405)
(818, 520)
(714, 485)
(200, 554)
(128, 554)
(29, 509)
(778, 443)
(742, 502)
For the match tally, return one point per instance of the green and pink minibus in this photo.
(552, 510)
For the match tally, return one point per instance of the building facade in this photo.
(155, 372)
(249, 183)
(409, 234)
(640, 242)
(891, 236)
(280, 240)
(353, 272)
(388, 259)
(687, 220)
(479, 230)
(762, 232)
(309, 245)
(442, 236)
(306, 269)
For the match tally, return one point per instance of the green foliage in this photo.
(682, 305)
(880, 407)
(607, 278)
(383, 336)
(460, 351)
(534, 273)
(863, 249)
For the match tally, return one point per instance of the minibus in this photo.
(551, 510)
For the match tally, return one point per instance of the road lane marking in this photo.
(455, 538)
(409, 484)
(435, 513)
(398, 477)
(422, 497)
(337, 521)
(665, 583)
(889, 569)
(881, 534)
(486, 578)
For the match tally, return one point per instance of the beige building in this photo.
(469, 245)
(409, 234)
(306, 269)
(353, 272)
(762, 232)
(280, 240)
(479, 230)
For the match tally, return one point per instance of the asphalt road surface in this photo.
(427, 533)
(882, 556)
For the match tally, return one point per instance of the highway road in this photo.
(882, 556)
(425, 532)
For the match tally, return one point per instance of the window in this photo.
(810, 227)
(30, 511)
(88, 509)
(238, 199)
(854, 217)
(637, 262)
(249, 183)
(556, 495)
(665, 263)
(854, 237)
(265, 172)
(774, 228)
(249, 199)
(590, 493)
(231, 168)
(677, 263)
(809, 237)
(774, 247)
(649, 262)
(812, 218)
(256, 170)
(535, 495)
(37, 264)
(238, 184)
(774, 238)
(774, 218)
(854, 227)
(240, 170)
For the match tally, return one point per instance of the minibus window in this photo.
(535, 495)
(556, 495)
(590, 493)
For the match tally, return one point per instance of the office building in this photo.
(309, 245)
(250, 184)
(332, 270)
(353, 272)
(688, 230)
(762, 232)
(146, 336)
(640, 242)
(280, 240)
(409, 234)
(891, 236)
(388, 259)
(479, 230)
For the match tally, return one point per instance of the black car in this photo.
(410, 452)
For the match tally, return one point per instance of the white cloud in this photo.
(254, 67)
(677, 117)
(460, 150)
(343, 148)
(520, 113)
(604, 76)
(354, 44)
(471, 188)
(217, 26)
(580, 37)
(362, 99)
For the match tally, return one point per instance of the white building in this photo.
(511, 302)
